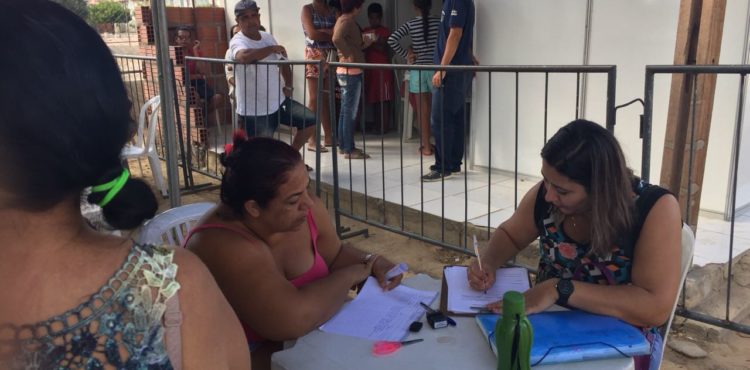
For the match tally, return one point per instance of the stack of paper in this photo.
(461, 297)
(378, 315)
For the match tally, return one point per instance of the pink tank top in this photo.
(318, 270)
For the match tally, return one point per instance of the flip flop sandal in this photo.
(356, 154)
(311, 148)
(423, 148)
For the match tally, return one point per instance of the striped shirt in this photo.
(413, 28)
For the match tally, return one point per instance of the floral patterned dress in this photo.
(562, 257)
(118, 327)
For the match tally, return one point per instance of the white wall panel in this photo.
(523, 33)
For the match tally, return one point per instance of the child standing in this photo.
(423, 31)
(378, 82)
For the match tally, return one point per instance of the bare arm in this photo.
(286, 74)
(451, 45)
(210, 332)
(262, 294)
(656, 273)
(512, 236)
(339, 256)
(254, 55)
(313, 33)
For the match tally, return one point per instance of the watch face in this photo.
(565, 287)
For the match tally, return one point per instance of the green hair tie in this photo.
(113, 187)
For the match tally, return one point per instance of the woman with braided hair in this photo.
(423, 31)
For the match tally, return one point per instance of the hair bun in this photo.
(238, 138)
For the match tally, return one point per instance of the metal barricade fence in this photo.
(203, 129)
(400, 207)
(381, 196)
(140, 75)
(207, 126)
(692, 142)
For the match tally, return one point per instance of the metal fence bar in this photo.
(647, 129)
(735, 170)
(515, 146)
(159, 16)
(140, 74)
(489, 154)
(441, 204)
(578, 95)
(648, 112)
(611, 93)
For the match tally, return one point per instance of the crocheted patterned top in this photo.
(119, 327)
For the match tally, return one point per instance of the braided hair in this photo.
(424, 6)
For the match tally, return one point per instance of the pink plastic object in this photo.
(383, 348)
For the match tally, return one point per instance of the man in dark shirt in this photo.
(454, 47)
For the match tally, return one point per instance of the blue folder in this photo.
(569, 336)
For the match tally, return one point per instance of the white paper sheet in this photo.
(461, 297)
(379, 315)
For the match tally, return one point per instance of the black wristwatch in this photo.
(564, 289)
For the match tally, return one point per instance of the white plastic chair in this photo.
(688, 245)
(407, 113)
(173, 225)
(145, 143)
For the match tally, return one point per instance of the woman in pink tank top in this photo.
(272, 248)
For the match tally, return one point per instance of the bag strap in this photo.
(172, 322)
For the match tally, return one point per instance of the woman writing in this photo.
(609, 243)
(273, 250)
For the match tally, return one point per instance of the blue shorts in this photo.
(420, 81)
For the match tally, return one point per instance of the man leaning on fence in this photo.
(262, 102)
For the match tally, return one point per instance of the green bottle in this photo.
(513, 334)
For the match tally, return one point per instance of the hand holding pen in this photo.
(480, 276)
(389, 275)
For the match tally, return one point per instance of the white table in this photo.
(460, 347)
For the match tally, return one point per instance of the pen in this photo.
(396, 271)
(427, 308)
(479, 259)
(481, 309)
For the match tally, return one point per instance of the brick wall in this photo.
(210, 28)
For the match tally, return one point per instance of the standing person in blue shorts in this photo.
(454, 47)
(423, 31)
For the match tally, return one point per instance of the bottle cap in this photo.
(513, 303)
